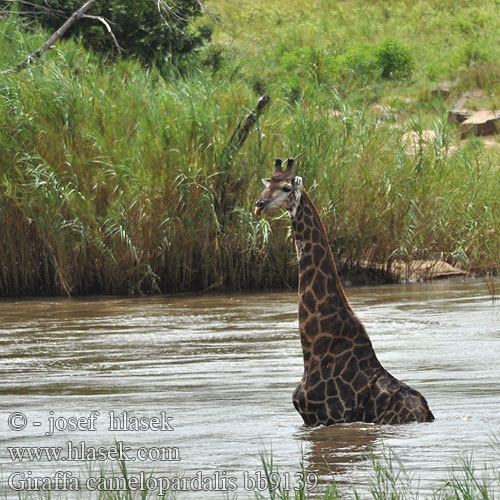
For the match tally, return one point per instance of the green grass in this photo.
(112, 176)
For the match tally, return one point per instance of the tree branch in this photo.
(42, 8)
(78, 14)
(240, 134)
(108, 28)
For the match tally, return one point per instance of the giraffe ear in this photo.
(266, 182)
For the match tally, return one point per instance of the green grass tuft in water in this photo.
(390, 480)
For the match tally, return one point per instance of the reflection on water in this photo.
(224, 367)
(333, 451)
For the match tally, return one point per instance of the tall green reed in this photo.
(114, 179)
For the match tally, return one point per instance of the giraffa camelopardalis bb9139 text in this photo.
(343, 380)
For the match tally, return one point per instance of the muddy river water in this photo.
(213, 376)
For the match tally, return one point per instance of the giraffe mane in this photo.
(328, 250)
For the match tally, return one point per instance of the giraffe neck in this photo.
(323, 305)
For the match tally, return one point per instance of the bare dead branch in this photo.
(56, 35)
(108, 28)
(215, 17)
(37, 6)
(164, 9)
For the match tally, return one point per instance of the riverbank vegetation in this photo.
(389, 480)
(113, 176)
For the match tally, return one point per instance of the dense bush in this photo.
(146, 29)
(390, 60)
(394, 60)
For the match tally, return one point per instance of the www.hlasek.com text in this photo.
(73, 452)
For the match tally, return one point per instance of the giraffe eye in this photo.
(287, 189)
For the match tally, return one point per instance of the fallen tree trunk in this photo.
(78, 14)
(241, 133)
(228, 184)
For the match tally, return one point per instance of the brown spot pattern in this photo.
(343, 380)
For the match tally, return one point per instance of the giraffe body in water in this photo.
(343, 380)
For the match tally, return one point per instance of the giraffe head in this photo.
(283, 190)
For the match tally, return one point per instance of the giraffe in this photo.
(343, 380)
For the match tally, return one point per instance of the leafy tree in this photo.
(149, 30)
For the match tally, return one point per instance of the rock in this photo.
(419, 270)
(481, 123)
(411, 140)
(443, 89)
(382, 113)
(426, 269)
(470, 96)
(378, 109)
(335, 113)
(470, 100)
(457, 115)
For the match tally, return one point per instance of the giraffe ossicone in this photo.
(343, 380)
